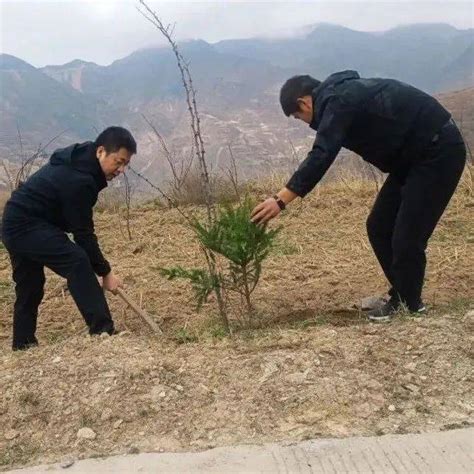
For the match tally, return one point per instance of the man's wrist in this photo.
(286, 195)
(280, 202)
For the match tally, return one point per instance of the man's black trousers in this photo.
(33, 245)
(407, 210)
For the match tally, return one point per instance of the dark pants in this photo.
(33, 245)
(407, 210)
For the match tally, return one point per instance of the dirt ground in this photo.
(312, 366)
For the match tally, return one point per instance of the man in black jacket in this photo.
(56, 200)
(403, 132)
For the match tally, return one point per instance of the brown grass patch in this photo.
(312, 366)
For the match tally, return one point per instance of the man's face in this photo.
(113, 164)
(305, 112)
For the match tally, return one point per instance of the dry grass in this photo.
(4, 196)
(312, 366)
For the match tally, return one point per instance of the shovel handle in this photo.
(145, 316)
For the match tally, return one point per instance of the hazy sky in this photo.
(56, 32)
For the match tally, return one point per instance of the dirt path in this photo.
(429, 452)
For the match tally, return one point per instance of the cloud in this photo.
(45, 32)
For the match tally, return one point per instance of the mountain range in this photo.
(237, 83)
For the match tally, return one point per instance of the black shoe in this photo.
(110, 332)
(23, 346)
(98, 328)
(386, 313)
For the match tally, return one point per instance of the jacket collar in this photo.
(322, 93)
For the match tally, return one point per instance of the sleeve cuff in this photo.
(290, 185)
(103, 269)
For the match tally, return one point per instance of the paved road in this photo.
(446, 452)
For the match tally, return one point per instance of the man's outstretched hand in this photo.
(265, 211)
(111, 282)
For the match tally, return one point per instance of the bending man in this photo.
(403, 132)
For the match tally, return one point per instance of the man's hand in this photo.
(265, 211)
(111, 282)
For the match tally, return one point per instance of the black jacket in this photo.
(62, 193)
(386, 122)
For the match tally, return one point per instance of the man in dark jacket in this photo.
(56, 200)
(403, 132)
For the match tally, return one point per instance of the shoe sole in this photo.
(417, 314)
(388, 319)
(380, 319)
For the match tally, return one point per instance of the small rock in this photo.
(369, 330)
(56, 360)
(156, 391)
(268, 371)
(106, 414)
(141, 433)
(391, 408)
(412, 387)
(162, 394)
(364, 410)
(104, 335)
(66, 464)
(86, 433)
(109, 375)
(298, 377)
(469, 315)
(374, 385)
(371, 302)
(11, 434)
(410, 366)
(179, 388)
(317, 361)
(117, 424)
(423, 377)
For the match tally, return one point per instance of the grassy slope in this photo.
(312, 367)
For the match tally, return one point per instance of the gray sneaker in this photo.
(386, 313)
(373, 302)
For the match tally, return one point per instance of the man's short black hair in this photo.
(295, 88)
(114, 138)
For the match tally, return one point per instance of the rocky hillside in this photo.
(237, 84)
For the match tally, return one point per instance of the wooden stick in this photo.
(146, 317)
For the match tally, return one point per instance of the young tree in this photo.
(243, 245)
(228, 233)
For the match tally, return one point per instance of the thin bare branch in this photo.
(190, 93)
(27, 165)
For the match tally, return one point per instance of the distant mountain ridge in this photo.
(38, 105)
(237, 82)
(417, 54)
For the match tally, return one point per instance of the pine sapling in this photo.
(243, 245)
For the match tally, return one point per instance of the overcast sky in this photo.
(56, 32)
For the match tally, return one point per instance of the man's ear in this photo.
(305, 103)
(101, 152)
(300, 101)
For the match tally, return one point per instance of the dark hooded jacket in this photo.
(62, 193)
(386, 122)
